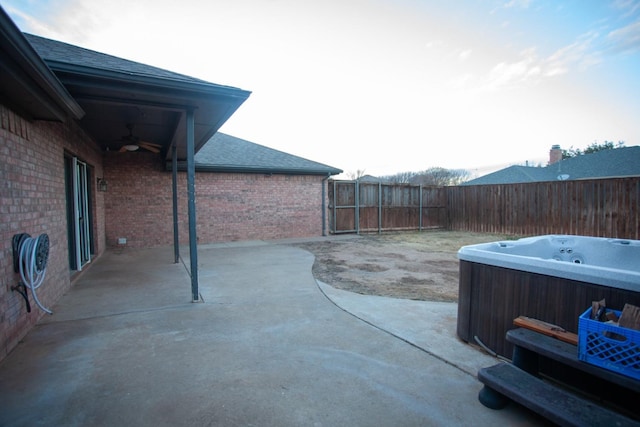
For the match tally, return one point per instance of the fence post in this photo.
(357, 213)
(420, 210)
(379, 207)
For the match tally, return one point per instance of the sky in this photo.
(386, 86)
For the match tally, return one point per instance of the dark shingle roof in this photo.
(618, 162)
(371, 179)
(107, 87)
(64, 53)
(225, 153)
(511, 175)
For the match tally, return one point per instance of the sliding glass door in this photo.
(78, 212)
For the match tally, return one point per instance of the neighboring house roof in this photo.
(226, 153)
(617, 162)
(370, 179)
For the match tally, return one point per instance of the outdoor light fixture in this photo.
(102, 185)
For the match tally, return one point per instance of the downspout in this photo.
(191, 194)
(334, 208)
(324, 205)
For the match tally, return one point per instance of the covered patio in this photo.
(163, 112)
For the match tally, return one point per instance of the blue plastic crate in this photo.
(617, 351)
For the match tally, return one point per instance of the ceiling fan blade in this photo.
(122, 149)
(150, 144)
(149, 148)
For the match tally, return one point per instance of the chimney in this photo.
(555, 154)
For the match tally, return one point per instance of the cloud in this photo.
(463, 55)
(27, 22)
(434, 43)
(462, 82)
(530, 69)
(630, 7)
(524, 4)
(581, 54)
(513, 4)
(586, 51)
(625, 39)
(70, 20)
(509, 74)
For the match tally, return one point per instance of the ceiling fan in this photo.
(133, 143)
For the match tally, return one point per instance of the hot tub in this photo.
(552, 278)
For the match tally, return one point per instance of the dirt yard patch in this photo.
(412, 265)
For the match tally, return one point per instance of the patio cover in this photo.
(115, 92)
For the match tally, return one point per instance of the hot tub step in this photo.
(560, 406)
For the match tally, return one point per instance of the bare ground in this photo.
(410, 265)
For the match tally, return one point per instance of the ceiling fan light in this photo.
(131, 147)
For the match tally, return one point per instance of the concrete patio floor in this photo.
(268, 347)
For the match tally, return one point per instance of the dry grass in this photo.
(410, 265)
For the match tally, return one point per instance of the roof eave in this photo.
(43, 83)
(258, 169)
(164, 92)
(165, 83)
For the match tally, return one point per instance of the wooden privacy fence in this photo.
(594, 207)
(366, 207)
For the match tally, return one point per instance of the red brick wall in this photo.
(138, 202)
(257, 206)
(32, 200)
(228, 206)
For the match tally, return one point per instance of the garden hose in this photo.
(33, 257)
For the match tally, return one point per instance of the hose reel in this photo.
(30, 256)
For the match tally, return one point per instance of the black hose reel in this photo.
(30, 256)
(17, 243)
(42, 252)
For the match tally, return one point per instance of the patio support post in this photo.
(174, 173)
(191, 194)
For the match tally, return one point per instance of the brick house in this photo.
(68, 120)
(245, 191)
(249, 191)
